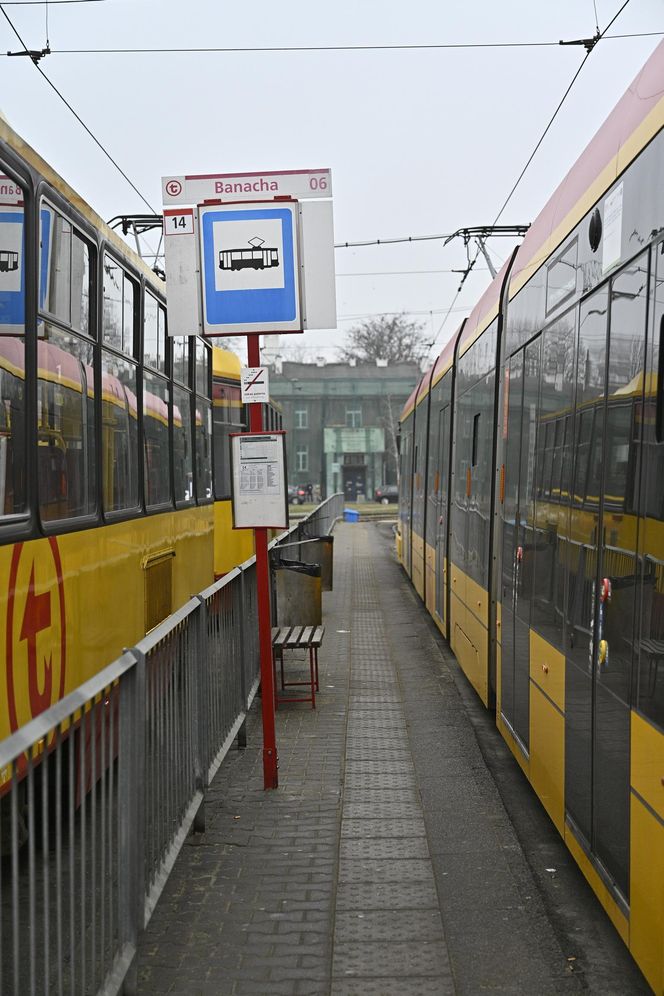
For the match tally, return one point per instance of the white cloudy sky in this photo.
(419, 141)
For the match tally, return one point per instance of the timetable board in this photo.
(258, 468)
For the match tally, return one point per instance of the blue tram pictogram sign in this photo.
(256, 258)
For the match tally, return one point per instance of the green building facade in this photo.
(342, 423)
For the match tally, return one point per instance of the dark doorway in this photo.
(355, 479)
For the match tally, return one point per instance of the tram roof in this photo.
(446, 358)
(409, 407)
(14, 141)
(484, 311)
(634, 121)
(225, 363)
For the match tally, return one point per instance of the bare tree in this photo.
(386, 337)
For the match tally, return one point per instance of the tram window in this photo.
(65, 272)
(222, 457)
(568, 455)
(583, 454)
(65, 426)
(120, 300)
(203, 449)
(12, 426)
(181, 359)
(618, 432)
(556, 472)
(548, 458)
(12, 254)
(119, 434)
(476, 429)
(154, 334)
(157, 452)
(594, 481)
(202, 368)
(183, 464)
(561, 277)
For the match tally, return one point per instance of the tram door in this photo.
(406, 494)
(442, 524)
(521, 406)
(603, 580)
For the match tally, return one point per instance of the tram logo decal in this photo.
(36, 631)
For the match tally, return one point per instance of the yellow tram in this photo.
(532, 509)
(106, 508)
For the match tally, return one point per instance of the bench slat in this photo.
(282, 636)
(293, 641)
(317, 638)
(305, 638)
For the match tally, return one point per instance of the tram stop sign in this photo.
(238, 263)
(250, 268)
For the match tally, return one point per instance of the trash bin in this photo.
(351, 515)
(319, 550)
(298, 593)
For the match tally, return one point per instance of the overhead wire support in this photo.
(588, 43)
(480, 231)
(32, 53)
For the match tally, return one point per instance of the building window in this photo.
(301, 418)
(302, 458)
(353, 418)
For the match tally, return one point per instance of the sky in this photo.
(420, 141)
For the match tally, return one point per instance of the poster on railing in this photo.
(259, 492)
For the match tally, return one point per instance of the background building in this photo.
(342, 422)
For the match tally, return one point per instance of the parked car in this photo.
(386, 494)
(297, 495)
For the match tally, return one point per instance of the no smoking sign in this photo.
(254, 385)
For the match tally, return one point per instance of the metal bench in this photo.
(296, 638)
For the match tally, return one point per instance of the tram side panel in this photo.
(470, 517)
(438, 485)
(583, 561)
(406, 487)
(418, 511)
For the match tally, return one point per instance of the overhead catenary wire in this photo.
(601, 35)
(77, 116)
(42, 3)
(266, 49)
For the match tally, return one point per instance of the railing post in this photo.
(201, 737)
(131, 815)
(239, 612)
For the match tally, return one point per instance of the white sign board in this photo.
(612, 240)
(182, 271)
(258, 468)
(226, 276)
(250, 268)
(254, 385)
(299, 184)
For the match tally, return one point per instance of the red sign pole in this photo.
(270, 759)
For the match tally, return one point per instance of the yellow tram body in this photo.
(532, 510)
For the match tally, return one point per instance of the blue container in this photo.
(351, 515)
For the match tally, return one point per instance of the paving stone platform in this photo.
(386, 862)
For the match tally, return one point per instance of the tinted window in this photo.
(154, 334)
(156, 455)
(119, 434)
(183, 466)
(12, 426)
(203, 449)
(120, 298)
(12, 259)
(65, 282)
(181, 359)
(202, 368)
(65, 422)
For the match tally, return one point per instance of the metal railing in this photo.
(98, 793)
